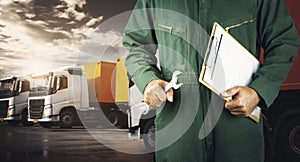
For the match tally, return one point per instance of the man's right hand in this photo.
(155, 95)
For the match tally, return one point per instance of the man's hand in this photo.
(155, 95)
(244, 100)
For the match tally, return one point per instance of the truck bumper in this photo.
(14, 117)
(51, 119)
(9, 118)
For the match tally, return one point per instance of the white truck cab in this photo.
(14, 92)
(55, 96)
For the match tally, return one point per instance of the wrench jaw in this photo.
(177, 85)
(176, 74)
(173, 82)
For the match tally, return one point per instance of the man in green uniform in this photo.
(177, 30)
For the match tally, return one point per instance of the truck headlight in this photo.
(10, 111)
(47, 111)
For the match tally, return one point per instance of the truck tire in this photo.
(24, 119)
(289, 138)
(118, 119)
(67, 119)
(123, 121)
(148, 135)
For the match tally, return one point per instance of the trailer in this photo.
(108, 89)
(283, 117)
(80, 94)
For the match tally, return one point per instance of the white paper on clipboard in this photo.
(227, 64)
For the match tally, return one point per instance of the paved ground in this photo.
(37, 144)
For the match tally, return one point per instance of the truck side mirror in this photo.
(56, 84)
(20, 86)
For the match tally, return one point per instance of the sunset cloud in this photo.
(40, 35)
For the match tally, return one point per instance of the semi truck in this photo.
(14, 92)
(281, 120)
(76, 94)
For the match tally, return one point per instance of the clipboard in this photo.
(227, 64)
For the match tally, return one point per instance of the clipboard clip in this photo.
(212, 53)
(217, 47)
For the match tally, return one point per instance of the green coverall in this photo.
(178, 30)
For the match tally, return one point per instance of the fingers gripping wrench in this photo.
(173, 82)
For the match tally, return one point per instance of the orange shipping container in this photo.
(107, 81)
(101, 83)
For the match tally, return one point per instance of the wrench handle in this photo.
(168, 87)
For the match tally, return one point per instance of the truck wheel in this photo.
(13, 122)
(148, 135)
(113, 118)
(123, 121)
(118, 119)
(67, 119)
(24, 120)
(46, 125)
(289, 139)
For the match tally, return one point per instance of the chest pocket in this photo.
(170, 27)
(171, 35)
(182, 43)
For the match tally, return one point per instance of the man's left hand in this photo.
(244, 100)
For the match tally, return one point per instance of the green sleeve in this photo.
(139, 39)
(279, 39)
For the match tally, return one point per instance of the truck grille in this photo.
(3, 109)
(36, 108)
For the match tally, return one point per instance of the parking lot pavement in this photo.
(37, 144)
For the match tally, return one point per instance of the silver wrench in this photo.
(173, 82)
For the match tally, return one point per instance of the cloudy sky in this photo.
(38, 35)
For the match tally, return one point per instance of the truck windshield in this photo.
(6, 86)
(41, 83)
